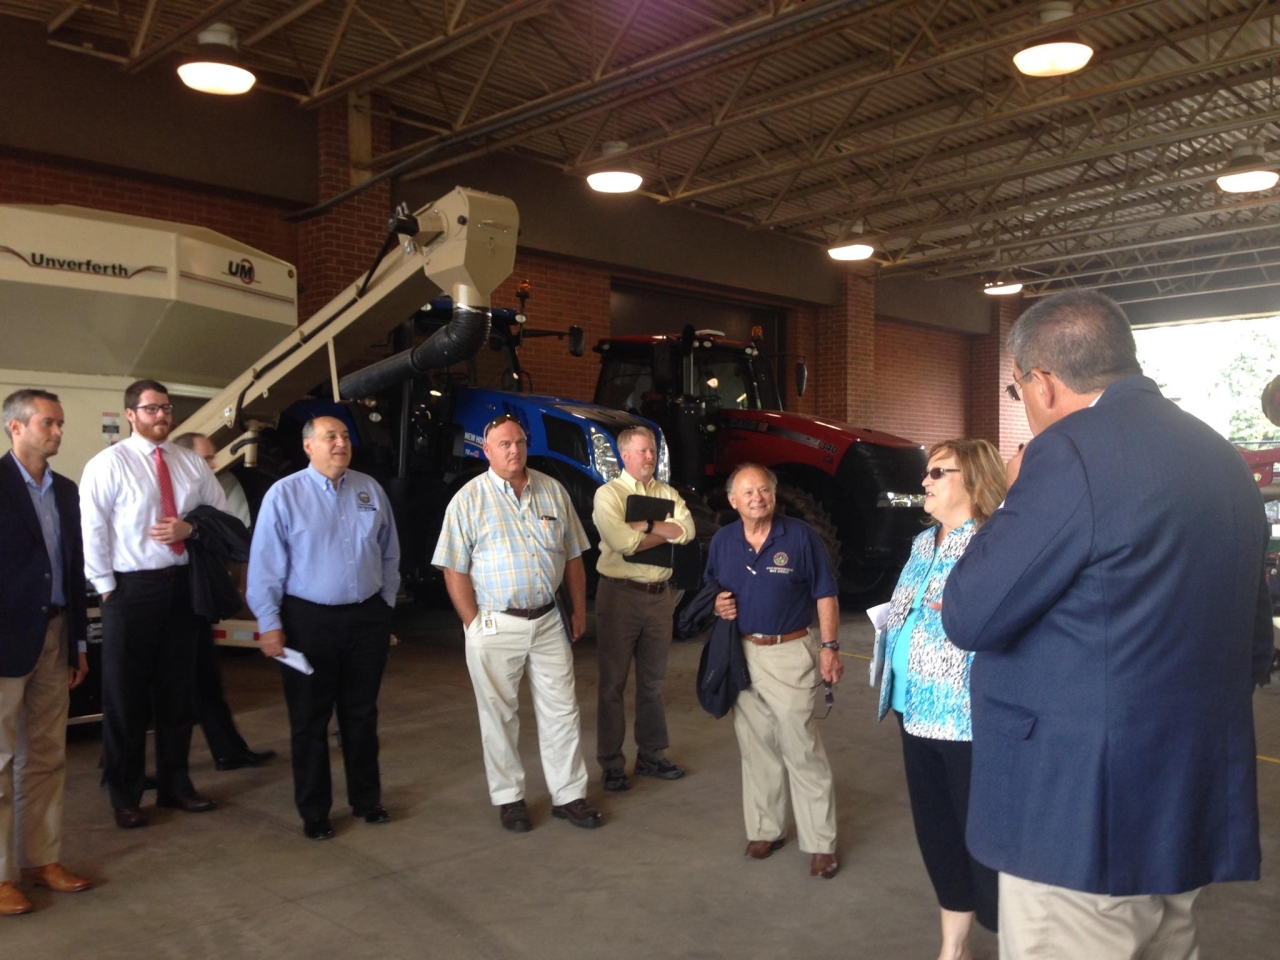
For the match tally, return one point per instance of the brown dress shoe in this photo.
(56, 877)
(760, 849)
(12, 902)
(823, 865)
(127, 818)
(514, 816)
(579, 813)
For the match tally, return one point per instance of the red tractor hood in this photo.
(775, 437)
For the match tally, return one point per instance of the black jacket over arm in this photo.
(25, 574)
(217, 538)
(722, 672)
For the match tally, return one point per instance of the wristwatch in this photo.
(831, 645)
(648, 528)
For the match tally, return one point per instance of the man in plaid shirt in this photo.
(510, 536)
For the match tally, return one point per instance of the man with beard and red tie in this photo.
(133, 496)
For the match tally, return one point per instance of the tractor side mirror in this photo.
(577, 341)
(802, 377)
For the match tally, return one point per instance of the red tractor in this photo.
(718, 403)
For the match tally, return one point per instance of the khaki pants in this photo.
(33, 751)
(496, 664)
(1043, 922)
(779, 740)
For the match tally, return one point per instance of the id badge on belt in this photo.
(489, 625)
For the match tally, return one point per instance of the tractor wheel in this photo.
(798, 503)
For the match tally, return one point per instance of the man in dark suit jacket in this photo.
(42, 624)
(1117, 605)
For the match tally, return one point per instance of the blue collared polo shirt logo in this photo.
(780, 560)
(364, 497)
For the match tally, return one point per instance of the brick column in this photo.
(336, 248)
(802, 342)
(845, 367)
(992, 415)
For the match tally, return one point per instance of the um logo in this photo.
(242, 270)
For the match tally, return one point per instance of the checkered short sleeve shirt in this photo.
(514, 550)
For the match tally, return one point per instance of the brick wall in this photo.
(846, 354)
(802, 340)
(992, 415)
(922, 382)
(255, 222)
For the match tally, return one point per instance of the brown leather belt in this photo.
(769, 639)
(53, 611)
(533, 614)
(637, 585)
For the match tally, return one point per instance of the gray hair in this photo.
(309, 428)
(1080, 336)
(769, 476)
(628, 434)
(188, 440)
(21, 404)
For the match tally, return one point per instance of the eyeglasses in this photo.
(151, 409)
(935, 473)
(499, 421)
(1011, 390)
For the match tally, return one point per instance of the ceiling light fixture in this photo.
(619, 178)
(213, 68)
(1058, 54)
(1246, 171)
(857, 249)
(1001, 288)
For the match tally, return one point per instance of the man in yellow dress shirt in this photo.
(634, 607)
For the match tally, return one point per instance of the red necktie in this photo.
(168, 507)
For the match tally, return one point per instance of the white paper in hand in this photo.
(297, 660)
(879, 617)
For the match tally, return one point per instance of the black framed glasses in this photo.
(151, 409)
(499, 421)
(1011, 390)
(935, 473)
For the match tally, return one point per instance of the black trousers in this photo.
(148, 661)
(347, 645)
(212, 712)
(938, 785)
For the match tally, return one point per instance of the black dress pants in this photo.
(148, 661)
(347, 646)
(938, 785)
(212, 712)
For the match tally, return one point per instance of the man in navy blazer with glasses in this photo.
(1118, 608)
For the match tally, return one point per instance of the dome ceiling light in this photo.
(213, 68)
(1001, 288)
(1055, 55)
(1246, 171)
(619, 178)
(857, 246)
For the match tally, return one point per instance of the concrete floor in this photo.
(665, 877)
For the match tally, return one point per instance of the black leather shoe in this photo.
(249, 758)
(376, 813)
(129, 818)
(320, 829)
(615, 779)
(191, 803)
(579, 813)
(515, 817)
(663, 769)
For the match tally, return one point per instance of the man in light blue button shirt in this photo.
(324, 570)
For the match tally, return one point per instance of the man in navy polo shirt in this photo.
(773, 570)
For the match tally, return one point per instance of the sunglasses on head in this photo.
(935, 473)
(499, 421)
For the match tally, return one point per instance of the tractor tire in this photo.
(798, 503)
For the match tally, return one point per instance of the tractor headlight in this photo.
(664, 459)
(603, 457)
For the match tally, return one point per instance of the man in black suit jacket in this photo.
(1117, 606)
(42, 625)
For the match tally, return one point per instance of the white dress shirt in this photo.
(120, 502)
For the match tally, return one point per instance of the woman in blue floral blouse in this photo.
(926, 682)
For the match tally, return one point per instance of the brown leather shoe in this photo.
(579, 813)
(823, 865)
(191, 803)
(514, 816)
(56, 877)
(760, 849)
(127, 818)
(12, 902)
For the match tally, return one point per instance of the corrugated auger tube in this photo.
(460, 340)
